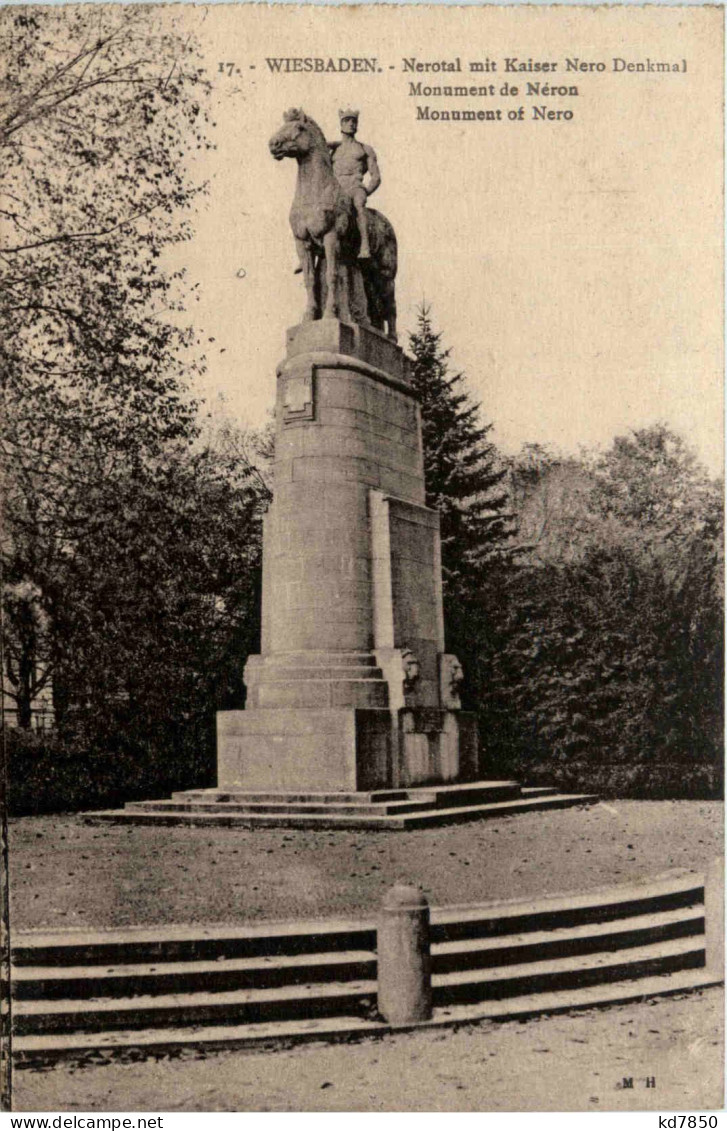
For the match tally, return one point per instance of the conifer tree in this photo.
(464, 482)
(463, 477)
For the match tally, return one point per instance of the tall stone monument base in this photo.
(353, 718)
(346, 749)
(353, 689)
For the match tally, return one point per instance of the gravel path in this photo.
(67, 874)
(573, 1062)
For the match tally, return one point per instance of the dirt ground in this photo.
(67, 874)
(573, 1062)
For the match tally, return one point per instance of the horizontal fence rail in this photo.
(79, 992)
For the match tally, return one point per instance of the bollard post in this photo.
(404, 962)
(714, 916)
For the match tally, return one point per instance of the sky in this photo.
(573, 267)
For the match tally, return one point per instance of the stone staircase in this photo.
(78, 993)
(414, 808)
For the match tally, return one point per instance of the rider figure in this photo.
(352, 160)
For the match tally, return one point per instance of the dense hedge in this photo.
(601, 667)
(47, 775)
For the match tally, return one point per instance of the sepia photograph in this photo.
(361, 558)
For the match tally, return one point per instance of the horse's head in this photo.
(298, 136)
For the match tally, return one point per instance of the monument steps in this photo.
(184, 986)
(289, 797)
(379, 808)
(445, 816)
(425, 796)
(412, 801)
(420, 807)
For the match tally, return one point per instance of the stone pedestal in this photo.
(353, 689)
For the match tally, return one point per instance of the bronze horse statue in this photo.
(327, 239)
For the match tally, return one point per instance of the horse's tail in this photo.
(383, 245)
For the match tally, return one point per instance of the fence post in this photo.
(714, 916)
(404, 962)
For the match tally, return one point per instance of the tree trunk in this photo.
(24, 692)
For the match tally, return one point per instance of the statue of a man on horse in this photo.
(352, 161)
(325, 221)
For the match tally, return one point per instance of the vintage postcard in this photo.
(362, 594)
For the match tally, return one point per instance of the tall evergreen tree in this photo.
(464, 481)
(462, 472)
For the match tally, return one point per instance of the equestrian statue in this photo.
(347, 252)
